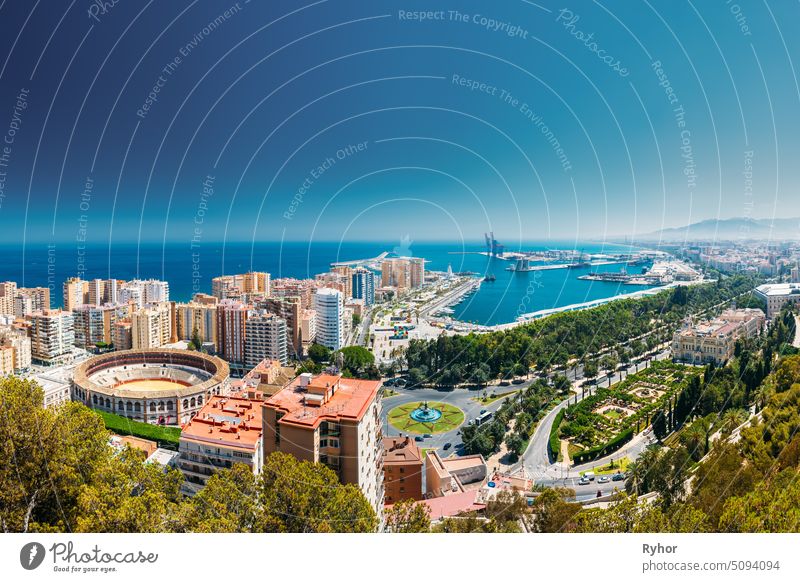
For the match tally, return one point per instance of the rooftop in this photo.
(779, 289)
(400, 451)
(308, 400)
(229, 421)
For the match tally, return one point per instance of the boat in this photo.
(491, 278)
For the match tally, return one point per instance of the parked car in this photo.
(447, 446)
(604, 479)
(583, 481)
(505, 383)
(517, 380)
(426, 436)
(589, 475)
(418, 439)
(618, 477)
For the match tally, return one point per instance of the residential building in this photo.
(239, 286)
(453, 475)
(715, 340)
(225, 431)
(777, 295)
(334, 421)
(290, 310)
(29, 300)
(300, 288)
(52, 336)
(266, 379)
(122, 334)
(75, 293)
(403, 272)
(402, 469)
(363, 286)
(231, 328)
(308, 328)
(94, 323)
(196, 316)
(6, 360)
(8, 289)
(151, 326)
(329, 305)
(20, 344)
(97, 292)
(265, 338)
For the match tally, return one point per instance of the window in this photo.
(152, 407)
(402, 469)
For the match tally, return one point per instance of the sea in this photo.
(189, 269)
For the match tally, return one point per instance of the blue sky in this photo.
(338, 120)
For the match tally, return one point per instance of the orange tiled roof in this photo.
(228, 421)
(349, 401)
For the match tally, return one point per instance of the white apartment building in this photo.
(329, 305)
(151, 327)
(265, 338)
(52, 336)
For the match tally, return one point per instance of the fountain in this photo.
(425, 413)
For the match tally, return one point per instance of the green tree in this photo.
(515, 444)
(408, 516)
(357, 360)
(227, 504)
(551, 513)
(319, 353)
(302, 497)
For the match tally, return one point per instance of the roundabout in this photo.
(428, 417)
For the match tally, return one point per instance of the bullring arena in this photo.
(158, 386)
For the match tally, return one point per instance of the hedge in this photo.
(604, 449)
(166, 436)
(555, 441)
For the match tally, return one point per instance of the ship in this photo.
(490, 278)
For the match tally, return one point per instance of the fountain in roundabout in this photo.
(425, 413)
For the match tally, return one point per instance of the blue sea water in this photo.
(190, 270)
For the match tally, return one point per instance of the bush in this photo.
(555, 442)
(166, 436)
(604, 449)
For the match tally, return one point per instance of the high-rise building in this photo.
(132, 293)
(94, 323)
(238, 286)
(151, 326)
(289, 309)
(308, 328)
(265, 338)
(97, 292)
(155, 291)
(52, 336)
(346, 274)
(20, 345)
(403, 272)
(231, 327)
(301, 288)
(196, 316)
(329, 305)
(8, 291)
(363, 286)
(29, 300)
(122, 334)
(76, 293)
(334, 421)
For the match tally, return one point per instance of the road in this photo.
(536, 459)
(460, 397)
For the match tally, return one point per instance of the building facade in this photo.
(52, 336)
(265, 338)
(334, 421)
(330, 326)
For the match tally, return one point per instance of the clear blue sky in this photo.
(529, 119)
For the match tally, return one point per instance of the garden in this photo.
(603, 422)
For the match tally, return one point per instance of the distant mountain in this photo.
(731, 229)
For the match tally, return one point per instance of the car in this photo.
(418, 439)
(517, 381)
(447, 446)
(618, 477)
(604, 479)
(505, 383)
(483, 411)
(426, 436)
(589, 475)
(583, 481)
